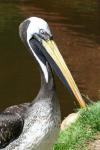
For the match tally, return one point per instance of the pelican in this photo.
(35, 125)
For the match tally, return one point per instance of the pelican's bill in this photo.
(54, 53)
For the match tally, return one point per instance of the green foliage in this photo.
(75, 137)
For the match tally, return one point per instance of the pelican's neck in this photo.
(47, 89)
(47, 82)
(46, 85)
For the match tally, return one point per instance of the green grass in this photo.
(84, 129)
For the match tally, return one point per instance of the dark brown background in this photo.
(76, 29)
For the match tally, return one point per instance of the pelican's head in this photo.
(36, 34)
(36, 28)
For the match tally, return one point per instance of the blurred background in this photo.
(76, 28)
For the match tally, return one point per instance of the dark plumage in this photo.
(11, 123)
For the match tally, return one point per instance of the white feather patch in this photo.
(43, 67)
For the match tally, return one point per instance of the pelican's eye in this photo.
(41, 31)
(44, 35)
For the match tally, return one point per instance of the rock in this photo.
(71, 118)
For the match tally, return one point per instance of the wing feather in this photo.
(11, 123)
(11, 126)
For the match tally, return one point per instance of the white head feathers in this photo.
(36, 24)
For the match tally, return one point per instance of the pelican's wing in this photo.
(11, 126)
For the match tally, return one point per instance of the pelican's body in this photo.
(41, 121)
(35, 126)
